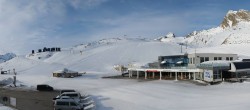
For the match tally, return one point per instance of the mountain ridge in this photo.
(233, 30)
(232, 18)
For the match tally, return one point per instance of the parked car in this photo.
(86, 102)
(74, 95)
(67, 104)
(67, 90)
(44, 87)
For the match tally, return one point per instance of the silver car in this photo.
(67, 104)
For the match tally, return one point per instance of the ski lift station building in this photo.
(209, 67)
(65, 73)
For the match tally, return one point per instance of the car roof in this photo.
(70, 93)
(42, 85)
(67, 90)
(64, 97)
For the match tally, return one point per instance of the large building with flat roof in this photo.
(209, 67)
(197, 58)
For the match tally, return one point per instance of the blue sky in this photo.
(33, 24)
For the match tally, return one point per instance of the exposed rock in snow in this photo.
(170, 35)
(233, 30)
(192, 34)
(170, 38)
(40, 56)
(234, 17)
(167, 38)
(6, 57)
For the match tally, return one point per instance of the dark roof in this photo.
(245, 59)
(241, 65)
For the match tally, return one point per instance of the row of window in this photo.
(203, 59)
(229, 58)
(66, 103)
(217, 74)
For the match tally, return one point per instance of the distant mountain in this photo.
(6, 57)
(167, 37)
(170, 37)
(234, 29)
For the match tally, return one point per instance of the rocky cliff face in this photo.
(234, 29)
(170, 35)
(232, 18)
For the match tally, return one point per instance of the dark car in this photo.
(44, 87)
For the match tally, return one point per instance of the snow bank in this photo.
(5, 107)
(5, 80)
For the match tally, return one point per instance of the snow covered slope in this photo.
(234, 29)
(103, 55)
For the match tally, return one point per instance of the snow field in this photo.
(124, 94)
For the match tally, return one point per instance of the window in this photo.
(72, 95)
(73, 104)
(194, 61)
(219, 58)
(217, 74)
(215, 58)
(62, 103)
(227, 58)
(206, 58)
(231, 58)
(190, 60)
(202, 59)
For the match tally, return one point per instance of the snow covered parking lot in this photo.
(120, 94)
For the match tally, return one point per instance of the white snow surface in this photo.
(98, 60)
(5, 107)
(238, 34)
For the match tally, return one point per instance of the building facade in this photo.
(173, 61)
(197, 58)
(209, 67)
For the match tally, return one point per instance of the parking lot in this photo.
(30, 99)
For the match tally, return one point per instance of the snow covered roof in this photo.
(65, 70)
(215, 64)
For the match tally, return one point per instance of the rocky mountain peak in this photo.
(170, 35)
(232, 18)
(192, 34)
(167, 38)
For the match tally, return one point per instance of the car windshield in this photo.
(72, 95)
(73, 104)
